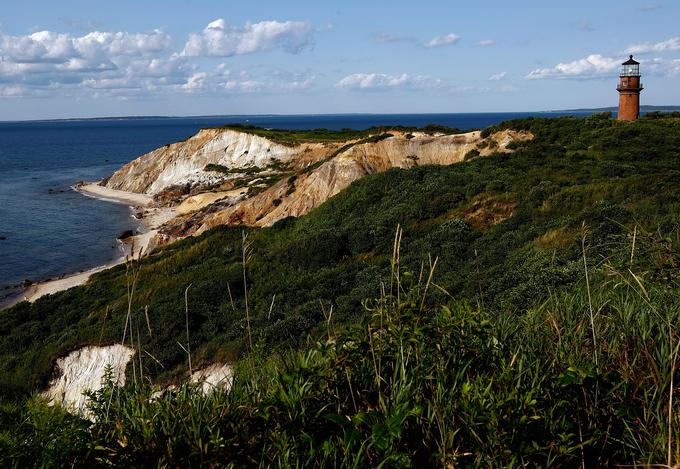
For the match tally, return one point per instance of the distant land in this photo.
(648, 108)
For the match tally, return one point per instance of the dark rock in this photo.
(2, 238)
(126, 234)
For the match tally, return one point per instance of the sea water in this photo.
(47, 229)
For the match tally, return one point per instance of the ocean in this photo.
(48, 230)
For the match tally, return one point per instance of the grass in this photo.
(414, 383)
(296, 137)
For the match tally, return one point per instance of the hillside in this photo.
(497, 339)
(256, 177)
(645, 108)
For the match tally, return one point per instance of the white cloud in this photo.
(93, 48)
(445, 40)
(486, 43)
(386, 38)
(107, 61)
(221, 80)
(195, 82)
(12, 91)
(125, 64)
(598, 66)
(381, 81)
(592, 66)
(220, 39)
(292, 81)
(498, 76)
(662, 67)
(671, 44)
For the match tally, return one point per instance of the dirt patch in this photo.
(489, 212)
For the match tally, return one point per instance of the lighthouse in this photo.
(629, 90)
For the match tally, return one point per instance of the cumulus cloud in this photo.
(12, 91)
(662, 67)
(195, 82)
(219, 39)
(671, 44)
(486, 43)
(598, 66)
(381, 82)
(445, 40)
(592, 66)
(222, 80)
(144, 64)
(94, 48)
(498, 76)
(96, 60)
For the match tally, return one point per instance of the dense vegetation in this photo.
(509, 354)
(295, 137)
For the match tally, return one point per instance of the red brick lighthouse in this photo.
(629, 90)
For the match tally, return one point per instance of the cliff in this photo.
(83, 371)
(185, 162)
(227, 176)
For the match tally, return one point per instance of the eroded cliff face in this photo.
(184, 162)
(83, 370)
(287, 180)
(213, 377)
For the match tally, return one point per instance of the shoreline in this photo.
(137, 245)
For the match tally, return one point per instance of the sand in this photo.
(53, 286)
(104, 193)
(197, 202)
(151, 220)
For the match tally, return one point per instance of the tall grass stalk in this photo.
(231, 298)
(590, 299)
(395, 260)
(148, 321)
(271, 307)
(186, 318)
(245, 254)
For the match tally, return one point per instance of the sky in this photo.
(75, 58)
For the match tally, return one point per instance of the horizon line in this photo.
(207, 116)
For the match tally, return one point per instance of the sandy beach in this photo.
(137, 245)
(152, 217)
(34, 292)
(93, 189)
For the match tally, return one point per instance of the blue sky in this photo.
(89, 58)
